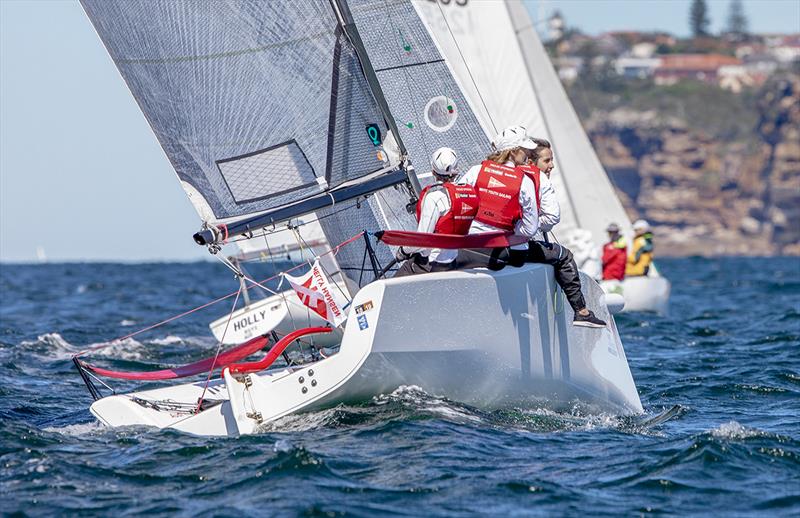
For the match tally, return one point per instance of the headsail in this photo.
(501, 63)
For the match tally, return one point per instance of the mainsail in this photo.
(256, 104)
(502, 65)
(428, 108)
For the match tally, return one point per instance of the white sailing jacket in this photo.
(435, 204)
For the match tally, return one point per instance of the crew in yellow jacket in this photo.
(641, 256)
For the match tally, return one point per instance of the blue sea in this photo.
(728, 355)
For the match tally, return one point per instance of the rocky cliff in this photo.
(704, 194)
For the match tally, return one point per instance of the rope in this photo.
(207, 304)
(471, 78)
(219, 348)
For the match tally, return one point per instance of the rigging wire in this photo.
(210, 303)
(219, 348)
(264, 233)
(461, 55)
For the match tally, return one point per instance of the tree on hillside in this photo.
(698, 18)
(737, 20)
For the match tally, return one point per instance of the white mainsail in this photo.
(500, 63)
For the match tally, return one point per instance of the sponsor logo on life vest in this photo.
(493, 182)
(361, 308)
(466, 208)
(494, 193)
(249, 320)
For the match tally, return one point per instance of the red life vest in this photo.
(533, 172)
(463, 207)
(498, 194)
(614, 257)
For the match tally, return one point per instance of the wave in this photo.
(77, 430)
(49, 345)
(411, 403)
(734, 430)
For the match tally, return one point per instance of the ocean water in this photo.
(728, 355)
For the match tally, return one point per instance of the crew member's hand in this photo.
(402, 255)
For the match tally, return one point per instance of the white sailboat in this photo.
(503, 68)
(274, 110)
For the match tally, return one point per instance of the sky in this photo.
(83, 177)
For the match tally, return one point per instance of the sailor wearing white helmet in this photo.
(509, 199)
(507, 195)
(443, 208)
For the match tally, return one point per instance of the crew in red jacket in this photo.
(615, 253)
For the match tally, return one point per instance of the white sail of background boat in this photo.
(270, 111)
(503, 68)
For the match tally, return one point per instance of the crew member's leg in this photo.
(416, 266)
(412, 267)
(566, 273)
(491, 258)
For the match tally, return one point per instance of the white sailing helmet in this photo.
(444, 162)
(513, 137)
(642, 225)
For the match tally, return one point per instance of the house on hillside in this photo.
(700, 67)
(636, 67)
(786, 49)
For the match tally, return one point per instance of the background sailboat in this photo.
(499, 62)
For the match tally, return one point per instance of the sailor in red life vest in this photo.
(615, 254)
(443, 208)
(537, 201)
(507, 196)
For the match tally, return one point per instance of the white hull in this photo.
(501, 342)
(649, 293)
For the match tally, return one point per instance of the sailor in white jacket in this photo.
(538, 208)
(442, 208)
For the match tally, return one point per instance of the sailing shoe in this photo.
(587, 321)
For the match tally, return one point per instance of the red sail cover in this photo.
(237, 353)
(451, 241)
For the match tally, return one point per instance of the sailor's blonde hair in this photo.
(501, 157)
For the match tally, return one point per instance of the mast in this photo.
(351, 31)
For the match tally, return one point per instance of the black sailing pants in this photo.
(566, 271)
(559, 257)
(417, 265)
